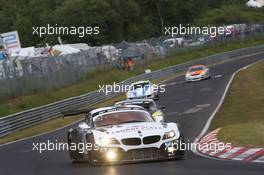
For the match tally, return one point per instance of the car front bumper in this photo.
(139, 154)
(196, 77)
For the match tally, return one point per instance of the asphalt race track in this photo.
(190, 104)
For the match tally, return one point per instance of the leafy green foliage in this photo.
(118, 19)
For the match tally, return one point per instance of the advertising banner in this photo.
(11, 40)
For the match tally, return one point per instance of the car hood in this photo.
(198, 72)
(131, 130)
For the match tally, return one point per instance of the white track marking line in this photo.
(217, 76)
(203, 105)
(171, 113)
(208, 123)
(191, 110)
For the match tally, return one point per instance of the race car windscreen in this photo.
(121, 118)
(141, 85)
(149, 106)
(192, 69)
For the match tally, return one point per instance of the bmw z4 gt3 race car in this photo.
(143, 89)
(122, 135)
(197, 73)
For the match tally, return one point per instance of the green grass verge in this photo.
(241, 116)
(108, 76)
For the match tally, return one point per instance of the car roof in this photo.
(140, 82)
(198, 65)
(136, 100)
(115, 108)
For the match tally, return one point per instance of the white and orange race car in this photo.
(197, 72)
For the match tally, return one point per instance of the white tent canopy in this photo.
(65, 49)
(79, 46)
(255, 3)
(23, 52)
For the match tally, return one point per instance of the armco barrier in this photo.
(34, 116)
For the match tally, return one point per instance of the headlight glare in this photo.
(169, 135)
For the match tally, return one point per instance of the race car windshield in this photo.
(192, 69)
(141, 85)
(121, 118)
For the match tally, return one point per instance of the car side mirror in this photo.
(84, 125)
(158, 116)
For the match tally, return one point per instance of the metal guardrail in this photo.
(37, 115)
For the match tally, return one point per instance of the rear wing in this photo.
(75, 112)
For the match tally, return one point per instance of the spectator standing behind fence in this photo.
(130, 64)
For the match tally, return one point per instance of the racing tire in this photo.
(75, 156)
(91, 153)
(182, 152)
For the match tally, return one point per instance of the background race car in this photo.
(197, 73)
(123, 134)
(147, 104)
(143, 89)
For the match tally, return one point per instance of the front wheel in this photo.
(75, 156)
(181, 152)
(91, 157)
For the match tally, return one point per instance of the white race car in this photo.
(143, 89)
(197, 73)
(123, 134)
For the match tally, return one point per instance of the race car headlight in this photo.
(111, 155)
(108, 141)
(148, 92)
(187, 74)
(128, 94)
(168, 135)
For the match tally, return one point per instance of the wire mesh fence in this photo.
(20, 75)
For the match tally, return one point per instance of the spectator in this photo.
(130, 64)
